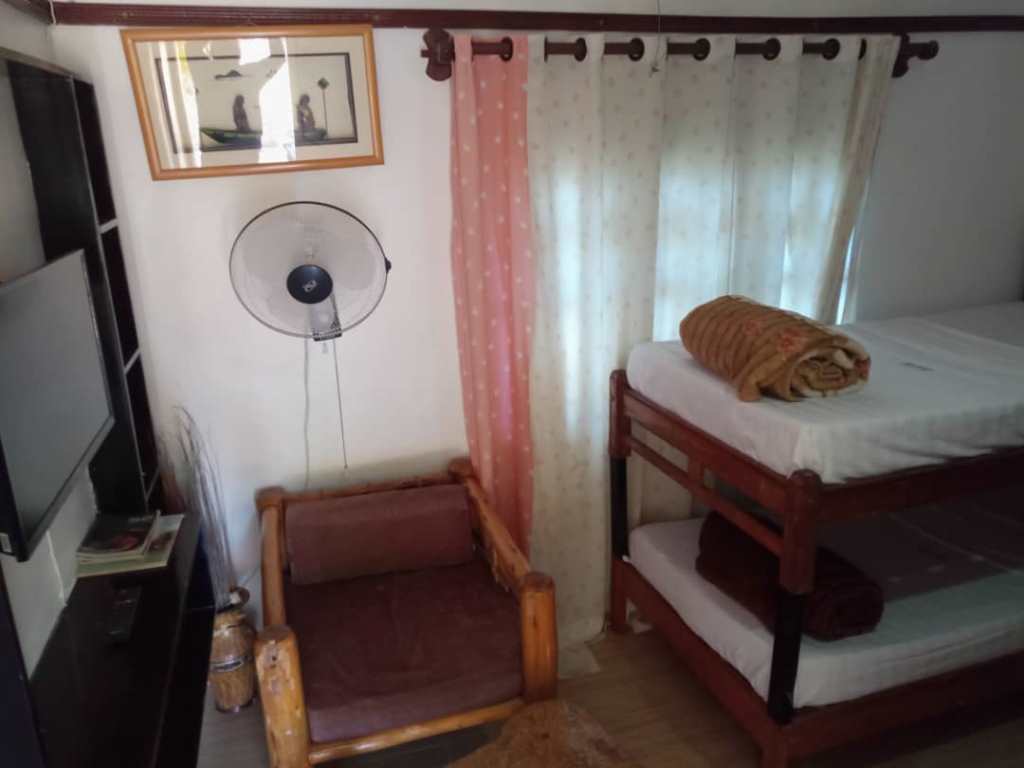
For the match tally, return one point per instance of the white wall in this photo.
(21, 247)
(23, 34)
(944, 219)
(244, 383)
(38, 587)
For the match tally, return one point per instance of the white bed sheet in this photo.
(919, 635)
(941, 387)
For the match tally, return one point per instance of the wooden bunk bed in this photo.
(802, 503)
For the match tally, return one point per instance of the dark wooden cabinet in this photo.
(18, 734)
(96, 697)
(135, 702)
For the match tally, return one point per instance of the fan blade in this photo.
(351, 263)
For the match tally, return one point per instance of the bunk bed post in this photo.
(796, 580)
(618, 452)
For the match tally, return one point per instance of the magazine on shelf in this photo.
(117, 538)
(157, 555)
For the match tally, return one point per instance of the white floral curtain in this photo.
(657, 185)
(593, 136)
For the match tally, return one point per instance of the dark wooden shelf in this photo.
(92, 138)
(132, 360)
(92, 700)
(120, 293)
(105, 703)
(142, 423)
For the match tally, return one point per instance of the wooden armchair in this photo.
(302, 732)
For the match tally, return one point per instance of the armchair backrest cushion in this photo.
(406, 530)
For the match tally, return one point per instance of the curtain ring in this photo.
(830, 49)
(636, 49)
(506, 55)
(581, 49)
(772, 48)
(703, 49)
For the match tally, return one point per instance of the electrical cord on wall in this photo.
(341, 412)
(306, 409)
(305, 418)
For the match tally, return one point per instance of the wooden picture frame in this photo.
(226, 101)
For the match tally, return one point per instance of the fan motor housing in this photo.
(309, 284)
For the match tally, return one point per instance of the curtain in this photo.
(492, 272)
(764, 167)
(867, 106)
(594, 135)
(656, 185)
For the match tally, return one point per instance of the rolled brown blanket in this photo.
(845, 601)
(761, 349)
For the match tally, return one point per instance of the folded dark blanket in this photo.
(845, 601)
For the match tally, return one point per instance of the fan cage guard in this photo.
(244, 279)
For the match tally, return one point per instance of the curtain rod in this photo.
(146, 14)
(440, 50)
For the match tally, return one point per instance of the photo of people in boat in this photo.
(274, 101)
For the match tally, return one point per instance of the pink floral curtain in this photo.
(492, 270)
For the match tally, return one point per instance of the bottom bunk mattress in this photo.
(951, 601)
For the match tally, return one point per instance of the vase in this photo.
(232, 673)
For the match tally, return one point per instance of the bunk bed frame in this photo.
(802, 502)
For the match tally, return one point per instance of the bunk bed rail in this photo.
(801, 501)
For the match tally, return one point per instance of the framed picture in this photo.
(222, 101)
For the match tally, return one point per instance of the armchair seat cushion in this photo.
(390, 650)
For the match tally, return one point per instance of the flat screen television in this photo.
(54, 403)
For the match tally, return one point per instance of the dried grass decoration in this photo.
(232, 674)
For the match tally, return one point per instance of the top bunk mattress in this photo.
(942, 387)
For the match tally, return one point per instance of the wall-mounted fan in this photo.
(309, 270)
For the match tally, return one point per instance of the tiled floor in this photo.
(660, 716)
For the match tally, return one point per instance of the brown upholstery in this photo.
(405, 530)
(389, 650)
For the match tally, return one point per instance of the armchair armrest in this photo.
(270, 503)
(281, 694)
(508, 563)
(535, 591)
(539, 637)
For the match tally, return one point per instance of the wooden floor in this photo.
(661, 717)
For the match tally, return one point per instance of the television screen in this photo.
(54, 405)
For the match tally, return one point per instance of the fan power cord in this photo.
(305, 419)
(341, 411)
